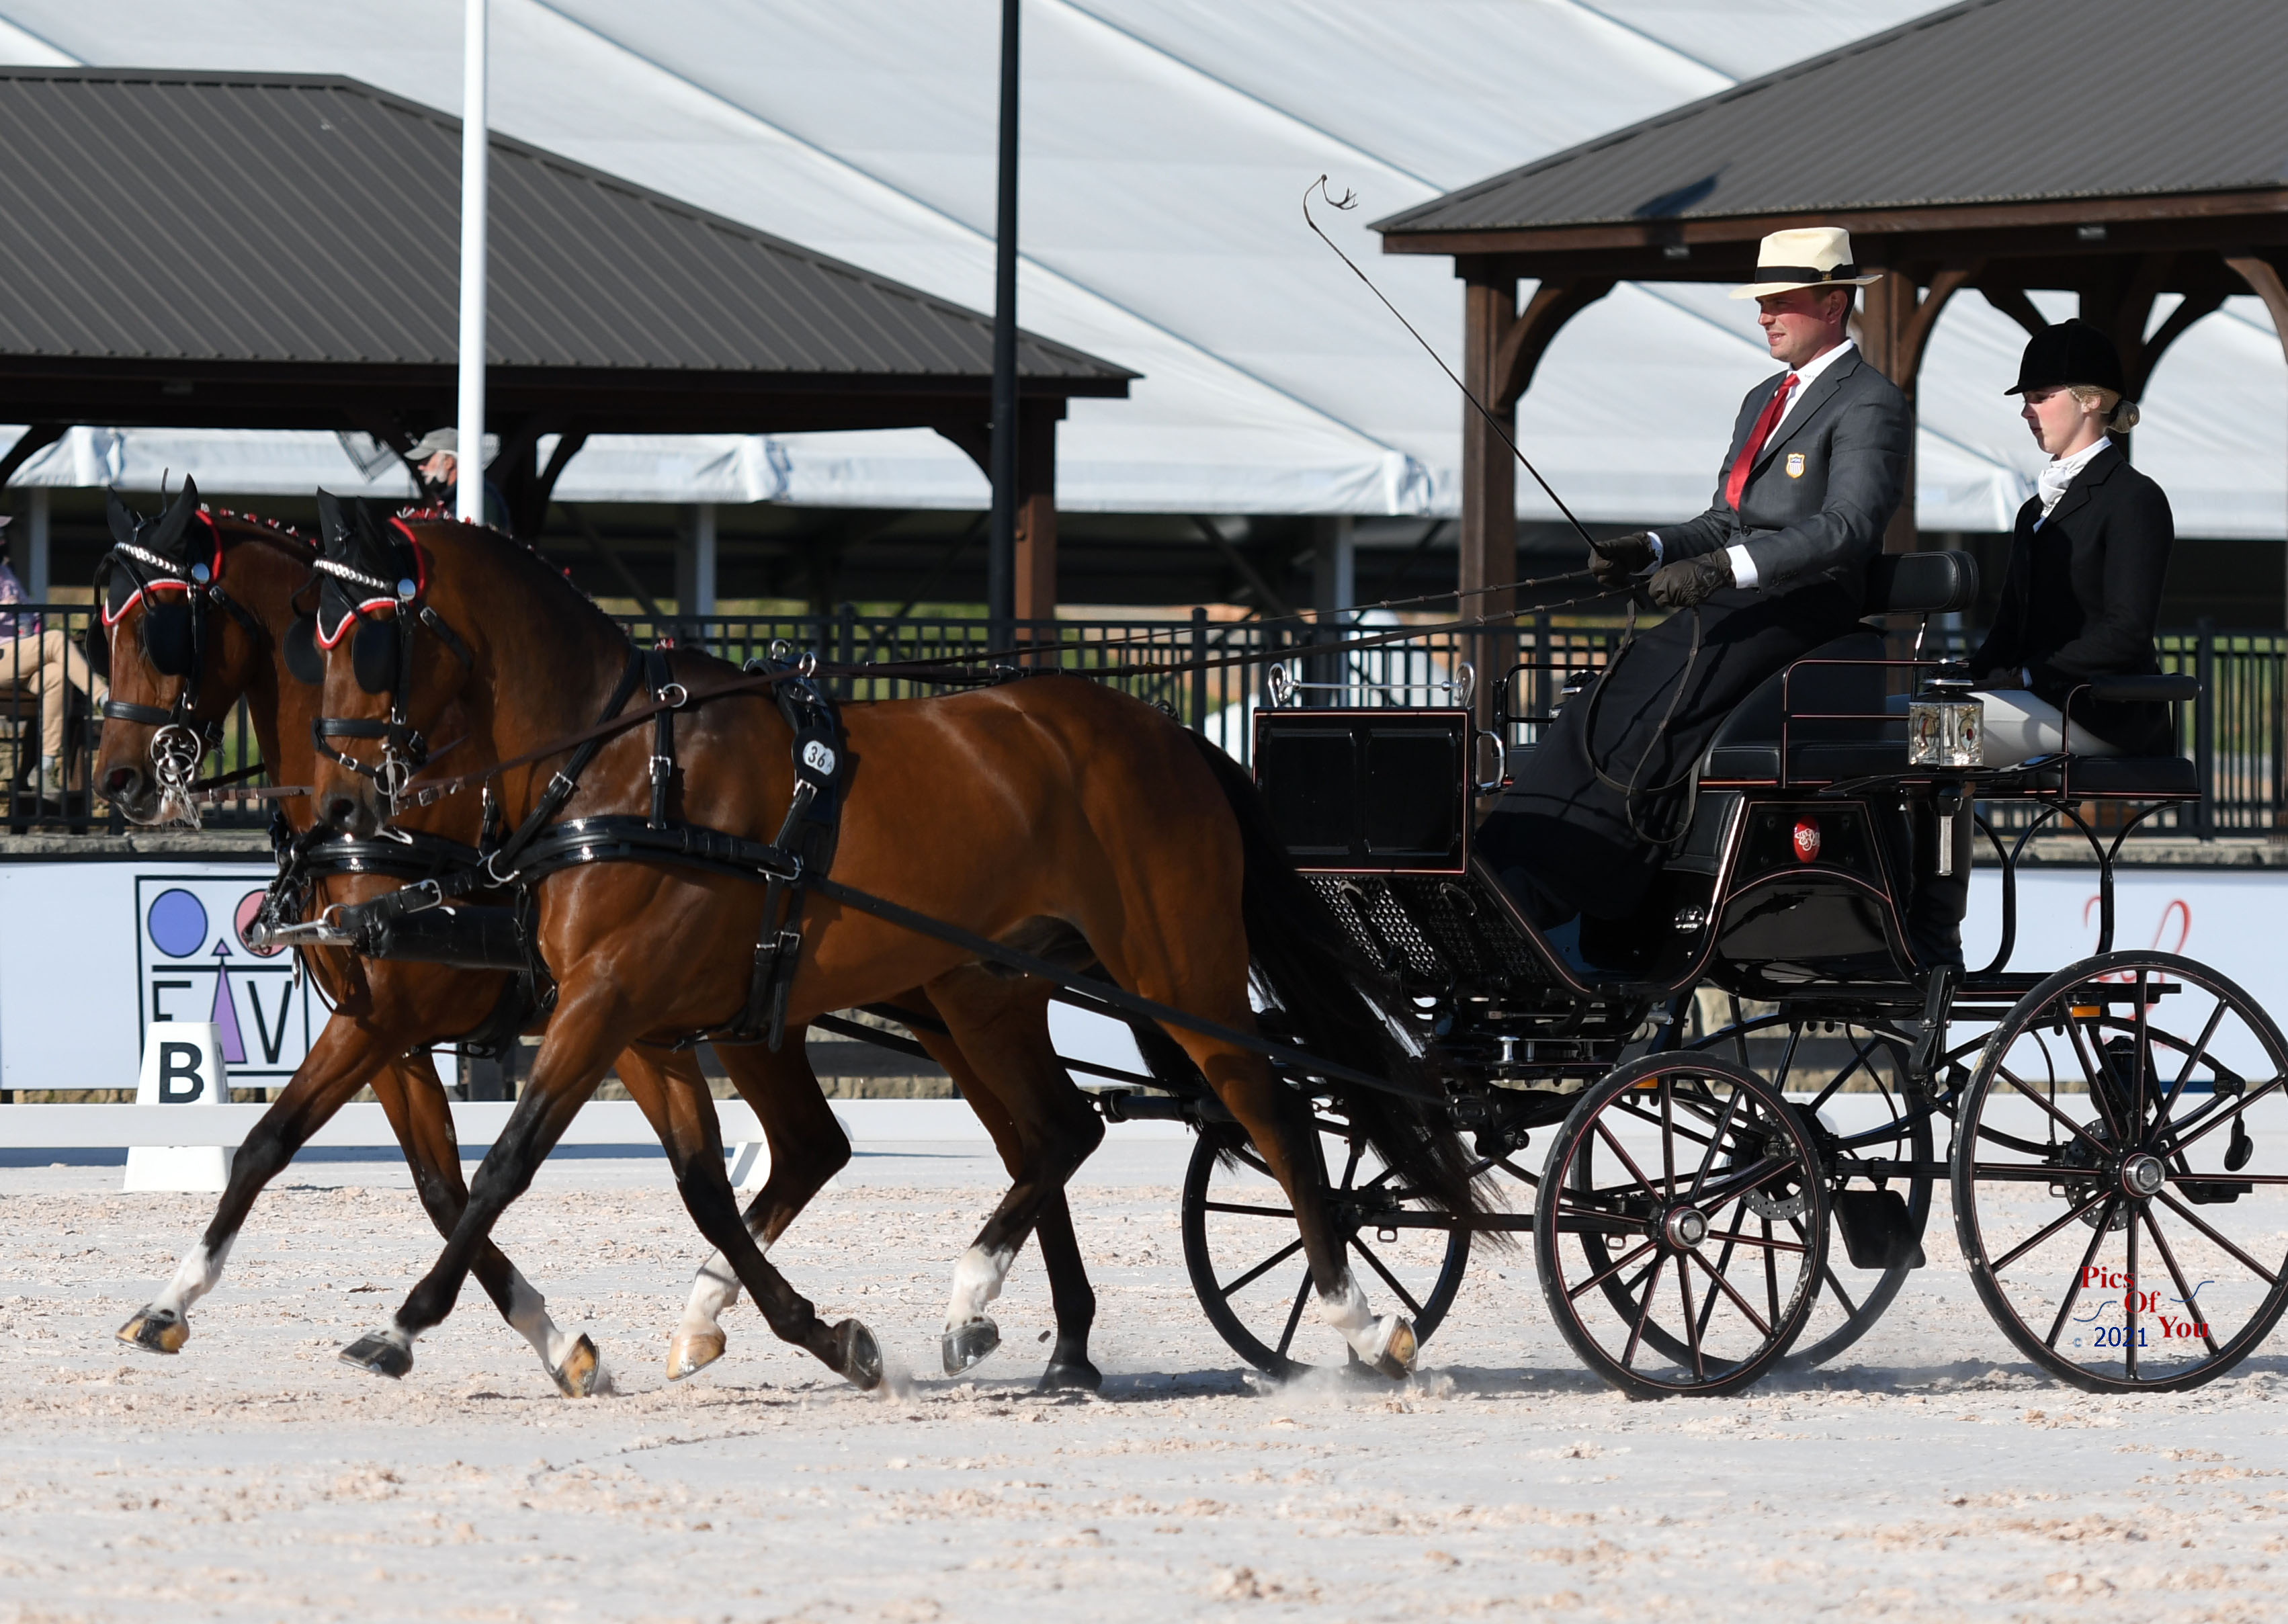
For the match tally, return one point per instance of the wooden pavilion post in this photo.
(2264, 280)
(1037, 510)
(1895, 319)
(1502, 348)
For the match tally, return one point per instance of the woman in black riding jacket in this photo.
(2083, 589)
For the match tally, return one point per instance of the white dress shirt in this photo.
(2060, 471)
(1743, 567)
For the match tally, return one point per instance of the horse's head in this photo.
(392, 663)
(177, 649)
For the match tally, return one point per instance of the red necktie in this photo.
(1736, 481)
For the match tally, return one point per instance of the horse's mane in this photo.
(523, 557)
(274, 532)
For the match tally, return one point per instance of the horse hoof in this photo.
(380, 1355)
(690, 1353)
(967, 1345)
(860, 1357)
(1396, 1360)
(157, 1330)
(577, 1376)
(1071, 1375)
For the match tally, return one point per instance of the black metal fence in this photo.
(1210, 674)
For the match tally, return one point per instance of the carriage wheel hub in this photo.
(2142, 1175)
(1685, 1228)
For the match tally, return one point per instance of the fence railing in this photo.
(1210, 674)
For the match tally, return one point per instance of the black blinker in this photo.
(99, 650)
(165, 628)
(304, 661)
(373, 655)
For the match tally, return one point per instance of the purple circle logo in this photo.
(178, 923)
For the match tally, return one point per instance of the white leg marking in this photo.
(976, 1281)
(528, 1311)
(1346, 1309)
(713, 1291)
(199, 1274)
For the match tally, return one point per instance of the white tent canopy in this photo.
(1167, 146)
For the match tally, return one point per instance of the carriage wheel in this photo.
(2121, 1173)
(1655, 1215)
(1246, 1255)
(1851, 1084)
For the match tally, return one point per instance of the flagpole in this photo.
(468, 505)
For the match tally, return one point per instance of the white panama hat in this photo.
(1809, 257)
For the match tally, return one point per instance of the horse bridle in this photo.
(403, 749)
(181, 740)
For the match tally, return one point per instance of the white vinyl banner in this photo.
(95, 955)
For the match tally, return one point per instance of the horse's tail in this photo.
(1337, 1004)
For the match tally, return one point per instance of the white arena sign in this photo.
(98, 953)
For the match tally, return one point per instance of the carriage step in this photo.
(1876, 1230)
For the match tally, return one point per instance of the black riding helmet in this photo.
(2069, 351)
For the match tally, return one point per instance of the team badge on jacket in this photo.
(1795, 464)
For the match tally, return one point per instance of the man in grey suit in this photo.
(1775, 567)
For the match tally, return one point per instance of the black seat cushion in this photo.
(2129, 775)
(1922, 584)
(1747, 747)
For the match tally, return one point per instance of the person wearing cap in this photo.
(1772, 569)
(436, 460)
(2080, 598)
(45, 663)
(2082, 591)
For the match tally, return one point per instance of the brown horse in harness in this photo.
(201, 612)
(1051, 815)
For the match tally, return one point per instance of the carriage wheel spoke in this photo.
(2192, 1058)
(1609, 1270)
(2093, 1072)
(1753, 1178)
(2129, 1340)
(1691, 1320)
(1708, 1158)
(2063, 1121)
(1530, 1181)
(2178, 1275)
(1388, 1278)
(2024, 1247)
(2261, 1272)
(1772, 1272)
(1833, 1284)
(1859, 1054)
(1622, 1108)
(1739, 1302)
(1667, 1137)
(1295, 1314)
(1247, 1211)
(1723, 1262)
(1626, 1160)
(1651, 1281)
(1261, 1268)
(2073, 1291)
(2248, 1098)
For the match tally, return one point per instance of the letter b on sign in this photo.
(182, 1065)
(181, 1079)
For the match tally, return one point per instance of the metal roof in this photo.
(1989, 101)
(281, 219)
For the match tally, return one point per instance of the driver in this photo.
(1775, 567)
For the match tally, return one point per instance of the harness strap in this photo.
(663, 731)
(502, 862)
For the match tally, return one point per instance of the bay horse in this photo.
(225, 590)
(1051, 815)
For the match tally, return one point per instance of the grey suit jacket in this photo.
(1824, 487)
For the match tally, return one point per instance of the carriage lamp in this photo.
(1946, 726)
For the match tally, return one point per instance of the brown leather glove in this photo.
(1614, 560)
(1691, 581)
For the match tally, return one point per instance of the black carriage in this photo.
(1739, 1087)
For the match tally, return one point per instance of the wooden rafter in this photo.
(1526, 340)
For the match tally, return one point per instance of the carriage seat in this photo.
(1747, 746)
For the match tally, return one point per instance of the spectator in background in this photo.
(44, 664)
(436, 459)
